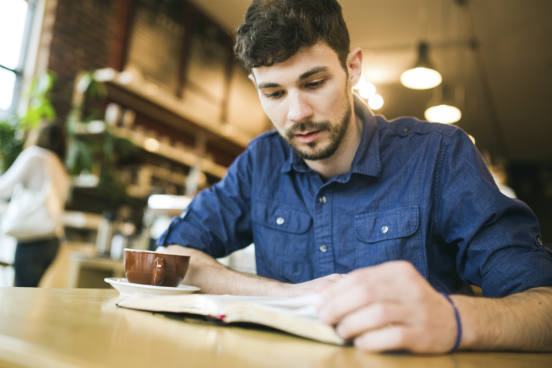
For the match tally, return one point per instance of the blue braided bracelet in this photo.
(458, 324)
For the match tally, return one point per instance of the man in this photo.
(384, 219)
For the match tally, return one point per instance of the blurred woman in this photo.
(41, 162)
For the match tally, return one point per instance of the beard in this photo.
(319, 150)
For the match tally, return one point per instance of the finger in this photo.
(372, 317)
(333, 310)
(395, 274)
(392, 337)
(392, 282)
(358, 294)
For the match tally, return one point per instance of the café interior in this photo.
(156, 108)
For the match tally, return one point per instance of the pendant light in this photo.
(422, 75)
(443, 109)
(367, 91)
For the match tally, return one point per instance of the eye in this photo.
(315, 84)
(275, 94)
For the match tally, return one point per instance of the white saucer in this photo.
(128, 288)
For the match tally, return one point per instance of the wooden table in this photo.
(84, 328)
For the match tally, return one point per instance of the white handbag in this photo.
(31, 214)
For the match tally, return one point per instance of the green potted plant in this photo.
(10, 143)
(92, 147)
(14, 129)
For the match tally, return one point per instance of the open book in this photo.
(293, 315)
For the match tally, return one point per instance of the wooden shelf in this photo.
(188, 158)
(153, 101)
(173, 139)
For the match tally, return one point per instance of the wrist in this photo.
(458, 324)
(469, 337)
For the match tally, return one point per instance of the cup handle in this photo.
(159, 271)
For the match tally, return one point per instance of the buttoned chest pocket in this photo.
(281, 235)
(388, 235)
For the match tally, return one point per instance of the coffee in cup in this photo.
(154, 268)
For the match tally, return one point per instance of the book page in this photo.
(304, 306)
(296, 315)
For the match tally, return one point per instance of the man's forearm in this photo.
(214, 278)
(520, 321)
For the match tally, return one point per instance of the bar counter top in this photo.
(42, 327)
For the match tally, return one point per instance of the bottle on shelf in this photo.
(105, 234)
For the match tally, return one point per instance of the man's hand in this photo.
(389, 307)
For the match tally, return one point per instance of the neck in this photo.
(340, 162)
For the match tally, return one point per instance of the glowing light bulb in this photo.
(151, 144)
(446, 114)
(365, 89)
(375, 101)
(421, 78)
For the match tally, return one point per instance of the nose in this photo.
(299, 109)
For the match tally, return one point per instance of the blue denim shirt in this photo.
(416, 191)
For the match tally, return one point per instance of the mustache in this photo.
(306, 126)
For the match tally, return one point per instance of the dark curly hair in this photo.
(274, 30)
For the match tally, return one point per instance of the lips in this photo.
(307, 137)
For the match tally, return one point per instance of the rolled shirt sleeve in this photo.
(218, 220)
(498, 238)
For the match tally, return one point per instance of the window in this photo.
(15, 23)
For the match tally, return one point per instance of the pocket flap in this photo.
(399, 222)
(281, 217)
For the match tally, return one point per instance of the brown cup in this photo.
(154, 268)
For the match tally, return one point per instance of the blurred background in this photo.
(156, 107)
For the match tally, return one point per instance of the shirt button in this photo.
(280, 221)
(322, 199)
(384, 229)
(323, 248)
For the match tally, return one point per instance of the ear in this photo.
(354, 65)
(252, 79)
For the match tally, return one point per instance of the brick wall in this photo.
(82, 38)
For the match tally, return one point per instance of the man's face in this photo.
(307, 98)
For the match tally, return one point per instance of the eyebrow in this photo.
(303, 76)
(313, 71)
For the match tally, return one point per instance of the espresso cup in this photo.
(154, 268)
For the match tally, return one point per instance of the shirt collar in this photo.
(367, 158)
